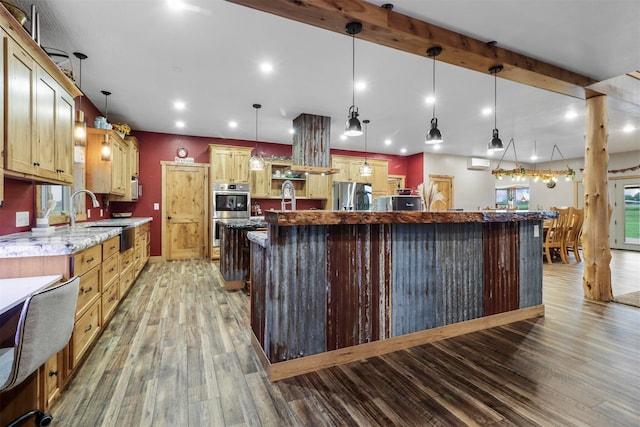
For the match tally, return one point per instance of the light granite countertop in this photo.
(64, 240)
(258, 237)
(245, 223)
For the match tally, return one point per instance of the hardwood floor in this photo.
(178, 353)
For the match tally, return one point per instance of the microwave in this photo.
(136, 189)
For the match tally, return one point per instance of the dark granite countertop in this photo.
(258, 237)
(252, 223)
(317, 217)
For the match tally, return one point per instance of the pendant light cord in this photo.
(434, 87)
(80, 81)
(256, 131)
(353, 69)
(495, 100)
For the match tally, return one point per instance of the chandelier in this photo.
(520, 173)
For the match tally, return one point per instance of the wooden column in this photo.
(596, 281)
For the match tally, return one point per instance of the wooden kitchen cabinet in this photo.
(349, 169)
(260, 182)
(39, 123)
(134, 155)
(229, 164)
(379, 177)
(318, 187)
(110, 295)
(107, 176)
(52, 378)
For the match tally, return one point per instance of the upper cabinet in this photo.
(229, 164)
(350, 171)
(107, 174)
(38, 98)
(134, 155)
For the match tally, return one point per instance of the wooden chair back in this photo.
(558, 228)
(576, 218)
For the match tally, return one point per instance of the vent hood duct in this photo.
(311, 151)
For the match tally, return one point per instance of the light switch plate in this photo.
(22, 219)
(156, 206)
(536, 231)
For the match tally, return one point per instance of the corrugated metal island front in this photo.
(333, 287)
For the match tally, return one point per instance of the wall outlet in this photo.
(88, 213)
(22, 219)
(156, 206)
(101, 213)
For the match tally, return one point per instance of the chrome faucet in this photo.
(287, 186)
(72, 213)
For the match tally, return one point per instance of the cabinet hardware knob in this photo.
(53, 373)
(88, 329)
(111, 299)
(112, 269)
(168, 217)
(88, 290)
(90, 259)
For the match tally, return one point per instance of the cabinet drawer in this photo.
(86, 260)
(84, 332)
(52, 378)
(110, 247)
(126, 280)
(110, 270)
(89, 290)
(110, 299)
(126, 259)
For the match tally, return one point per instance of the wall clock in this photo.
(182, 152)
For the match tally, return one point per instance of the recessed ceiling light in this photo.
(628, 128)
(486, 111)
(292, 131)
(361, 85)
(403, 150)
(387, 142)
(179, 105)
(570, 115)
(176, 4)
(266, 67)
(343, 137)
(534, 157)
(430, 99)
(490, 153)
(436, 147)
(180, 124)
(233, 124)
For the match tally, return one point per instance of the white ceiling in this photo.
(208, 55)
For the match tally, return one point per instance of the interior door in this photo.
(185, 210)
(445, 186)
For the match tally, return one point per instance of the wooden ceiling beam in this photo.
(402, 32)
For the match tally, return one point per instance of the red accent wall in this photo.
(157, 147)
(415, 170)
(18, 197)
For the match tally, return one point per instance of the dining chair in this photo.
(44, 328)
(554, 238)
(573, 234)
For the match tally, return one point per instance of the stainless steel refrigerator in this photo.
(352, 196)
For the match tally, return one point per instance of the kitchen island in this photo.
(334, 287)
(234, 250)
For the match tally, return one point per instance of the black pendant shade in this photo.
(353, 126)
(496, 143)
(434, 136)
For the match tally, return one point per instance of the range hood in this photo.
(310, 153)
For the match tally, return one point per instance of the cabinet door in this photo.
(261, 182)
(241, 166)
(64, 136)
(379, 182)
(354, 171)
(221, 165)
(45, 120)
(20, 94)
(342, 164)
(317, 186)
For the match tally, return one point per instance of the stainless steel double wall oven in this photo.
(230, 201)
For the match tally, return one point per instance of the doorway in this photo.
(185, 210)
(445, 186)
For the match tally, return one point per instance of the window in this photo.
(512, 198)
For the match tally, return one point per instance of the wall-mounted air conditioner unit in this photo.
(478, 164)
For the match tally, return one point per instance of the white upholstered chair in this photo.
(44, 328)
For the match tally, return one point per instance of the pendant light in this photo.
(80, 126)
(496, 143)
(353, 127)
(256, 162)
(365, 168)
(434, 136)
(105, 151)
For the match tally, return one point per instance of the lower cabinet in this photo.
(106, 275)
